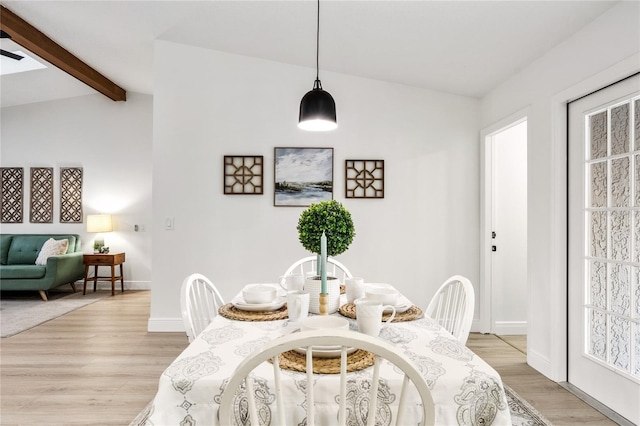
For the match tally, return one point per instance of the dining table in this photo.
(465, 389)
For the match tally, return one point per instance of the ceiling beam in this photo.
(39, 44)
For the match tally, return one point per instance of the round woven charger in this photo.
(231, 312)
(358, 360)
(349, 310)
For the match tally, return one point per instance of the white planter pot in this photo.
(313, 286)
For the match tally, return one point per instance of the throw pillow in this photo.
(51, 247)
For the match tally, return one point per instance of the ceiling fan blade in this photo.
(10, 55)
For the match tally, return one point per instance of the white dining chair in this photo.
(199, 302)
(309, 264)
(345, 339)
(452, 307)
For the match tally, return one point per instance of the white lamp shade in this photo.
(99, 223)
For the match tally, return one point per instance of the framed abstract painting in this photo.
(303, 176)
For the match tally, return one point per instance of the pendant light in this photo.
(317, 107)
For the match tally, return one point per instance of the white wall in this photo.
(509, 262)
(610, 39)
(112, 142)
(424, 230)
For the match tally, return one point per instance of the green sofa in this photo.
(18, 271)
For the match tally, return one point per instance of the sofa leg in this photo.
(43, 295)
(73, 286)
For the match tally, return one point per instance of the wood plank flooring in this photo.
(99, 366)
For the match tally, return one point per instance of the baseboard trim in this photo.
(540, 363)
(608, 412)
(503, 328)
(165, 325)
(106, 285)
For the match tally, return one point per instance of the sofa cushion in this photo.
(24, 248)
(5, 242)
(22, 272)
(51, 247)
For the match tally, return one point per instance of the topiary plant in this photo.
(330, 217)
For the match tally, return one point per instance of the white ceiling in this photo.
(461, 47)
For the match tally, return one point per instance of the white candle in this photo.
(323, 263)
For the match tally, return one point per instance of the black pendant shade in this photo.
(317, 107)
(317, 110)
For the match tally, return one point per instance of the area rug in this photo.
(22, 310)
(522, 413)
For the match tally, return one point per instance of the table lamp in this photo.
(99, 223)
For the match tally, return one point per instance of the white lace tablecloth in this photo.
(465, 389)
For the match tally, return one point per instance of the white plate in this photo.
(400, 308)
(239, 303)
(326, 351)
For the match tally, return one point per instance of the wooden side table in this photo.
(96, 260)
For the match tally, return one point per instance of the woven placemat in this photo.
(349, 310)
(231, 312)
(358, 360)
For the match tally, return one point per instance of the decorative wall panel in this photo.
(41, 210)
(613, 239)
(243, 174)
(71, 195)
(364, 178)
(12, 195)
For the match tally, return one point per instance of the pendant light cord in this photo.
(317, 82)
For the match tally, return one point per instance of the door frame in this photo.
(556, 363)
(486, 213)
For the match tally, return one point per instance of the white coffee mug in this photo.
(292, 282)
(369, 316)
(297, 305)
(354, 288)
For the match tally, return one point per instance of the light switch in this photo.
(169, 223)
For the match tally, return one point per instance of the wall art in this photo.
(243, 174)
(12, 196)
(70, 195)
(303, 176)
(364, 178)
(41, 195)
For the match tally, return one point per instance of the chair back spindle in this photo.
(452, 306)
(344, 339)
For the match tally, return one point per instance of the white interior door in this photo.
(604, 247)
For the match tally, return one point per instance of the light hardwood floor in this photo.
(99, 366)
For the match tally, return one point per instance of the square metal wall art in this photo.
(70, 195)
(12, 196)
(303, 176)
(364, 178)
(244, 174)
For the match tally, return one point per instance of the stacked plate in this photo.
(264, 298)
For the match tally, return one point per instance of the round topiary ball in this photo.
(330, 217)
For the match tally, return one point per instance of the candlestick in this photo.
(323, 264)
(323, 304)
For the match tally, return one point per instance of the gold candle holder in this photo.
(323, 302)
